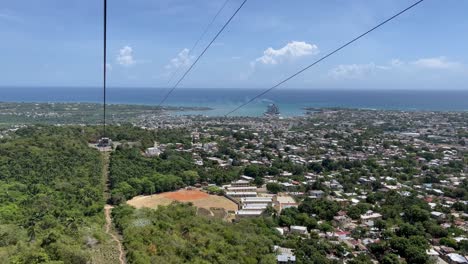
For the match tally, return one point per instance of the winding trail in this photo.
(108, 209)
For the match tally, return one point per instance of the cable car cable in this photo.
(324, 57)
(201, 54)
(199, 39)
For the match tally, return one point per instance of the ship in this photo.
(272, 110)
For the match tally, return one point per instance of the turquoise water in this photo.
(290, 101)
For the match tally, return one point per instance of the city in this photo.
(233, 132)
(373, 185)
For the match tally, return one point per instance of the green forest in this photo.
(51, 197)
(131, 173)
(175, 234)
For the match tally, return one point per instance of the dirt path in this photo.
(108, 209)
(107, 212)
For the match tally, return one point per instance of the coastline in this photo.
(218, 102)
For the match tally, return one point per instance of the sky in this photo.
(59, 43)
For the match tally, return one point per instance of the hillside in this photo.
(51, 199)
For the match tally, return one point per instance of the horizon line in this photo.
(236, 88)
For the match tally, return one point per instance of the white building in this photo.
(242, 194)
(153, 151)
(258, 200)
(242, 189)
(248, 213)
(284, 255)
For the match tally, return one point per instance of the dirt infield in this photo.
(186, 195)
(197, 198)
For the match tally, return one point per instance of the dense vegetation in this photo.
(50, 197)
(133, 174)
(175, 234)
(125, 134)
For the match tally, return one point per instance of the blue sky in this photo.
(58, 43)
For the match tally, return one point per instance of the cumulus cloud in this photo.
(359, 71)
(182, 59)
(125, 57)
(294, 49)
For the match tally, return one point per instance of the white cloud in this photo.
(125, 57)
(359, 71)
(396, 63)
(354, 71)
(436, 63)
(294, 49)
(182, 59)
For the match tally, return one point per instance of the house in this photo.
(335, 185)
(316, 194)
(220, 162)
(341, 235)
(247, 178)
(454, 258)
(284, 258)
(299, 230)
(341, 220)
(280, 230)
(437, 215)
(284, 255)
(284, 201)
(434, 256)
(369, 217)
(311, 176)
(154, 151)
(240, 183)
(288, 186)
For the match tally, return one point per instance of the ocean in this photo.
(291, 102)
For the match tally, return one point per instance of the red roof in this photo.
(343, 233)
